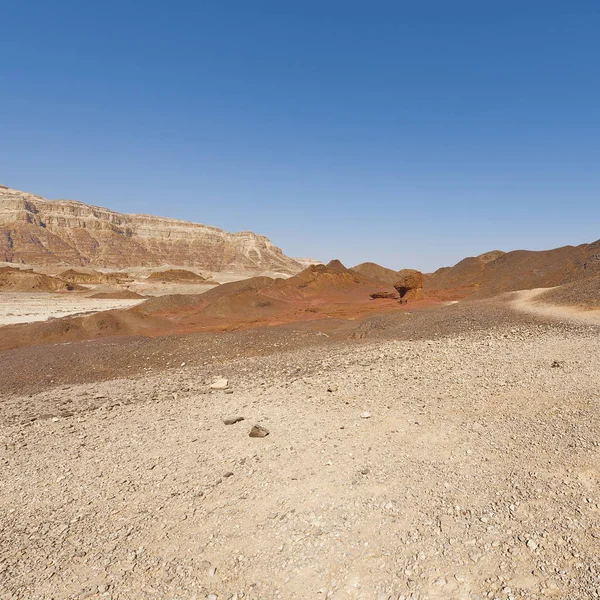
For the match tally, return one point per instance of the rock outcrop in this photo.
(176, 276)
(410, 285)
(26, 280)
(92, 277)
(37, 231)
(384, 296)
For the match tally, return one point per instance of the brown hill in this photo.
(318, 292)
(92, 277)
(37, 231)
(377, 272)
(177, 276)
(119, 295)
(496, 272)
(26, 280)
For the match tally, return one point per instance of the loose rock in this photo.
(259, 432)
(219, 384)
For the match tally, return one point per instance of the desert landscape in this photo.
(188, 413)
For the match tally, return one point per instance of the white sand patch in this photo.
(27, 307)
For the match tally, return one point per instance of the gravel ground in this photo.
(461, 465)
(582, 294)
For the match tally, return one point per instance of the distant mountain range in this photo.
(43, 232)
(37, 231)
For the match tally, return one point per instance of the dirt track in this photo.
(529, 301)
(475, 474)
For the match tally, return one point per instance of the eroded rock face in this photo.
(66, 232)
(410, 285)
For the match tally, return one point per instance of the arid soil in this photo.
(21, 307)
(434, 453)
(319, 292)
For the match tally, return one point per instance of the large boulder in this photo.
(410, 285)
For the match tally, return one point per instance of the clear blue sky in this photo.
(407, 133)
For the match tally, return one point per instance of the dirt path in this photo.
(525, 301)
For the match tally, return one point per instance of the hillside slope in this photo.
(377, 272)
(496, 272)
(37, 231)
(319, 292)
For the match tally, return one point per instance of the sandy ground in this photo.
(27, 307)
(462, 464)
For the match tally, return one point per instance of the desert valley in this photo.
(189, 413)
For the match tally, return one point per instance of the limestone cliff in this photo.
(37, 231)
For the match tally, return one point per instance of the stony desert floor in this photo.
(448, 454)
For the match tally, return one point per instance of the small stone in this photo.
(556, 363)
(531, 545)
(219, 383)
(55, 419)
(228, 474)
(183, 364)
(102, 588)
(212, 571)
(258, 431)
(365, 415)
(229, 391)
(212, 597)
(332, 388)
(232, 420)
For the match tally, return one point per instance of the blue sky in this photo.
(407, 133)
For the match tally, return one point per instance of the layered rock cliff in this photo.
(37, 231)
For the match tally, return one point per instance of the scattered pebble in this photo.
(220, 383)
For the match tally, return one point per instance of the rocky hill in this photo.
(377, 272)
(496, 272)
(37, 231)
